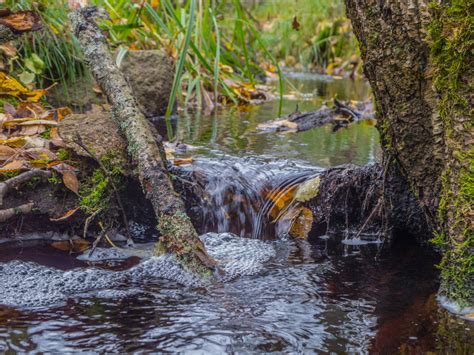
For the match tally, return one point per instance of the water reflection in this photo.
(234, 131)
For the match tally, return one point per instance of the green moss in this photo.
(177, 238)
(96, 193)
(46, 134)
(63, 154)
(451, 55)
(55, 179)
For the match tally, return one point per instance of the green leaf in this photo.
(26, 77)
(308, 190)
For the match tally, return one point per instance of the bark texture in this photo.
(417, 56)
(145, 148)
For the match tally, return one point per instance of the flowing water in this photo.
(278, 294)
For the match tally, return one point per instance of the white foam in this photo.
(454, 307)
(27, 284)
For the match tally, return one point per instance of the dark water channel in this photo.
(319, 295)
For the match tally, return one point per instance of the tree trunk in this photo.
(177, 234)
(418, 58)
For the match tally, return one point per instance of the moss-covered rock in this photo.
(150, 74)
(99, 132)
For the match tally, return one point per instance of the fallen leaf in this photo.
(31, 130)
(9, 108)
(63, 112)
(38, 122)
(72, 246)
(6, 152)
(308, 189)
(10, 86)
(182, 161)
(280, 198)
(8, 49)
(14, 142)
(70, 181)
(41, 154)
(65, 216)
(302, 224)
(13, 166)
(22, 21)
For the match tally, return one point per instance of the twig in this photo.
(96, 242)
(79, 142)
(8, 213)
(5, 186)
(89, 220)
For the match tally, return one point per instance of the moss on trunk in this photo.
(418, 58)
(451, 43)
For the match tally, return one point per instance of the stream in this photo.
(279, 294)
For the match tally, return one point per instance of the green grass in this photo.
(219, 46)
(324, 36)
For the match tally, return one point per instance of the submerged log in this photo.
(178, 235)
(340, 115)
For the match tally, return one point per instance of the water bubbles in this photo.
(27, 284)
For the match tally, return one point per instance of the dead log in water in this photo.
(178, 235)
(340, 115)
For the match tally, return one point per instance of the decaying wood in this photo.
(15, 181)
(341, 115)
(178, 235)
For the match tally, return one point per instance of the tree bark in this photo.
(177, 234)
(417, 56)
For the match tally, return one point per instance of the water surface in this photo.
(285, 295)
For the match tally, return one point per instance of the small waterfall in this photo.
(239, 195)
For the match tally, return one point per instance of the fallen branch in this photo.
(177, 233)
(8, 213)
(341, 115)
(15, 181)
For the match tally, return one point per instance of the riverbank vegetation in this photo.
(223, 50)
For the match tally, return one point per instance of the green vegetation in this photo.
(311, 34)
(451, 54)
(97, 193)
(222, 48)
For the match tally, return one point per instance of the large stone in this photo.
(98, 132)
(150, 74)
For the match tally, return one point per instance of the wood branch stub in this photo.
(178, 235)
(8, 213)
(15, 181)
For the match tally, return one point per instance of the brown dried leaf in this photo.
(13, 166)
(72, 246)
(182, 161)
(32, 130)
(70, 181)
(41, 154)
(22, 21)
(6, 152)
(65, 216)
(302, 224)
